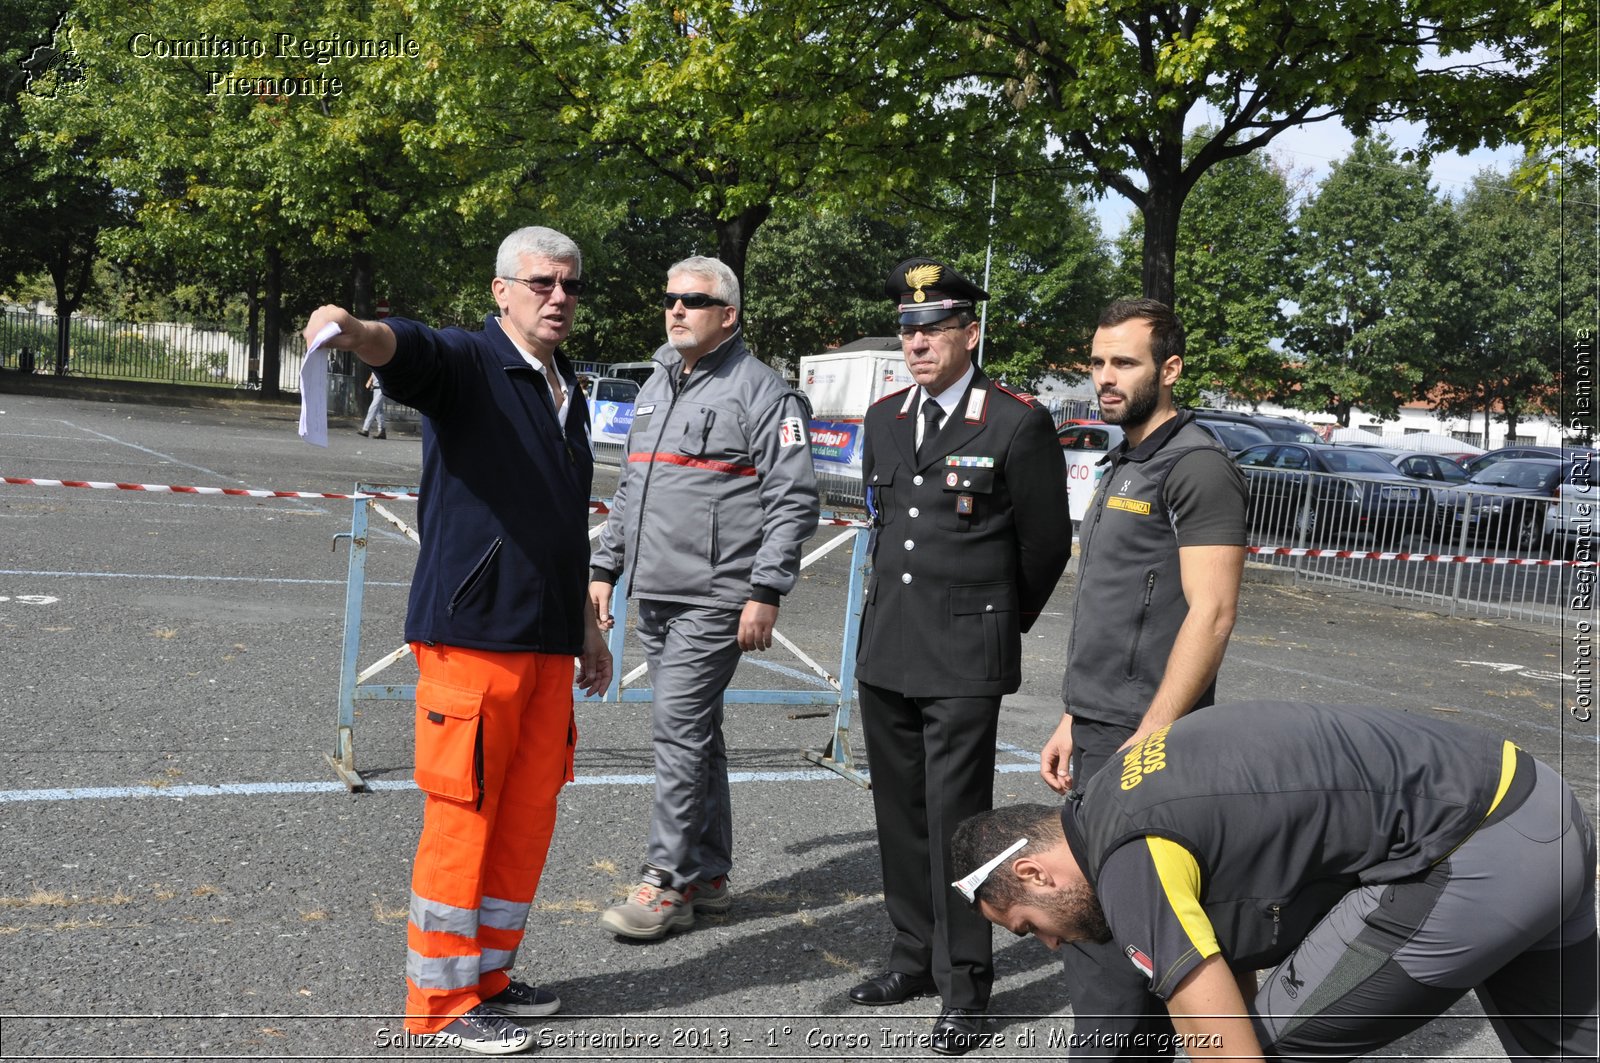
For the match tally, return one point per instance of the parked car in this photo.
(1088, 435)
(1233, 435)
(1489, 457)
(1573, 517)
(612, 389)
(1277, 429)
(1508, 501)
(1329, 491)
(1434, 468)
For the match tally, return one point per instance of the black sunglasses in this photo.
(690, 300)
(546, 285)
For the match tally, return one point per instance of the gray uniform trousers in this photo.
(1114, 1014)
(1390, 957)
(692, 652)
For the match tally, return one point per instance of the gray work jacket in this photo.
(717, 495)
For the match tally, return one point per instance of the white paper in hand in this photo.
(314, 389)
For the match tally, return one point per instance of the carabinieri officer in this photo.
(971, 532)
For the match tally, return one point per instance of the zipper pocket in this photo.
(1138, 632)
(474, 577)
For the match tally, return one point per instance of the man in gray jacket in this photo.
(715, 501)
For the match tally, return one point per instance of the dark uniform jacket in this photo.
(1130, 602)
(968, 542)
(1285, 819)
(504, 512)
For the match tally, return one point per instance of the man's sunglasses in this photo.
(545, 285)
(690, 300)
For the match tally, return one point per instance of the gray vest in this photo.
(1130, 602)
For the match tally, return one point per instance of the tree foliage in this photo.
(1117, 80)
(1506, 338)
(1373, 286)
(1233, 272)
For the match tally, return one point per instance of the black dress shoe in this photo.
(891, 987)
(957, 1032)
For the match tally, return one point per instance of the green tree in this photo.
(816, 279)
(1506, 348)
(711, 108)
(256, 164)
(1373, 286)
(1232, 274)
(1557, 117)
(1117, 80)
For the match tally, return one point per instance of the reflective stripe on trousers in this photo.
(498, 727)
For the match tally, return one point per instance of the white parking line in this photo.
(269, 789)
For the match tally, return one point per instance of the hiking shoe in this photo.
(485, 1031)
(654, 911)
(519, 1000)
(361, 431)
(709, 895)
(381, 434)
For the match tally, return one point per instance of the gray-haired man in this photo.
(716, 498)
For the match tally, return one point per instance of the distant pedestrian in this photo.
(374, 408)
(497, 614)
(716, 501)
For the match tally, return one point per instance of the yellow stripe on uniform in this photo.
(1508, 769)
(1180, 879)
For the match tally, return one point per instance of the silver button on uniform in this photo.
(917, 480)
(912, 512)
(910, 544)
(906, 578)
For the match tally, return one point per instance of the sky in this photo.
(1312, 148)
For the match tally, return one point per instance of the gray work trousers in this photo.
(692, 652)
(1509, 914)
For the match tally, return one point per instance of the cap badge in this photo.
(920, 277)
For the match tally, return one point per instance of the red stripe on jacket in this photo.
(692, 463)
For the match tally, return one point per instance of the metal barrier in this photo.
(834, 690)
(1461, 550)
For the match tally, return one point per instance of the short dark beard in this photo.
(1137, 406)
(1079, 913)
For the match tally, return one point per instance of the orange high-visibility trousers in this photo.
(495, 737)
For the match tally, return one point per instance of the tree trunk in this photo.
(68, 300)
(1161, 210)
(252, 334)
(63, 336)
(272, 325)
(734, 236)
(362, 303)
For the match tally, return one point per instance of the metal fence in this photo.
(1460, 551)
(163, 352)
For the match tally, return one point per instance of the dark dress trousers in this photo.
(969, 540)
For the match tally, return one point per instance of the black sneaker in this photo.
(521, 1000)
(484, 1031)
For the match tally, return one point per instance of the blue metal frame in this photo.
(834, 755)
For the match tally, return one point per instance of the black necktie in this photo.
(932, 414)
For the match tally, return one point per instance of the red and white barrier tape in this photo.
(837, 522)
(239, 492)
(1389, 555)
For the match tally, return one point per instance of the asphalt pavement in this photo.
(185, 877)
